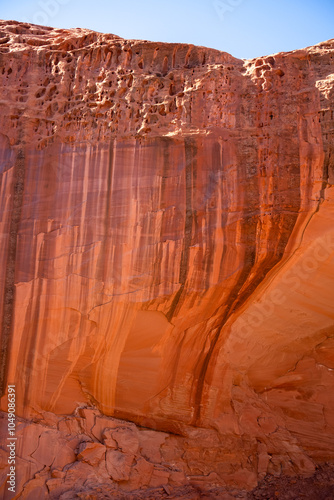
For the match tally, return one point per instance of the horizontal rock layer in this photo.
(167, 240)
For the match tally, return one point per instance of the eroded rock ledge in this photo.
(167, 240)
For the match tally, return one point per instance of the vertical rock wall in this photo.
(167, 242)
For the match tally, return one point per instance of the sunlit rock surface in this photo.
(167, 248)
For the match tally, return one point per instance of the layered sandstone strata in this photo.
(167, 243)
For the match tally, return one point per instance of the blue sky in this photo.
(244, 28)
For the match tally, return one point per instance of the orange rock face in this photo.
(167, 250)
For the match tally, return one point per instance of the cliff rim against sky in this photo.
(168, 247)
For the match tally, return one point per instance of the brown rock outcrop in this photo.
(167, 250)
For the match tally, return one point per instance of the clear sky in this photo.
(244, 28)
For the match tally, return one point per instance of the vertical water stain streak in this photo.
(245, 285)
(190, 174)
(107, 212)
(232, 302)
(9, 288)
(165, 143)
(326, 119)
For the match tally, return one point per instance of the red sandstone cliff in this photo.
(167, 258)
